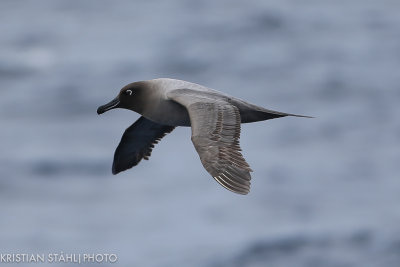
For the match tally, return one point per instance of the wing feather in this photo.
(215, 135)
(137, 143)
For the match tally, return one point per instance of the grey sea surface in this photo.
(325, 191)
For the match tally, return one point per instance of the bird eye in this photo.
(128, 92)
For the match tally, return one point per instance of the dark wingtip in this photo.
(118, 167)
(114, 171)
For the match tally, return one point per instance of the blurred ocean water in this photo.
(325, 191)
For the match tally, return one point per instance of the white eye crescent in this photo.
(128, 92)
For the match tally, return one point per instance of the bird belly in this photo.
(169, 113)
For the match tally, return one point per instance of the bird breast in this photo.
(168, 112)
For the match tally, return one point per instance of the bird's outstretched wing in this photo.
(215, 135)
(137, 143)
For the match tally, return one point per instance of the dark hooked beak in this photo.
(113, 104)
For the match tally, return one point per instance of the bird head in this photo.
(127, 98)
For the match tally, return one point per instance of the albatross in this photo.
(214, 118)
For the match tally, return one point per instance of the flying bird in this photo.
(214, 118)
